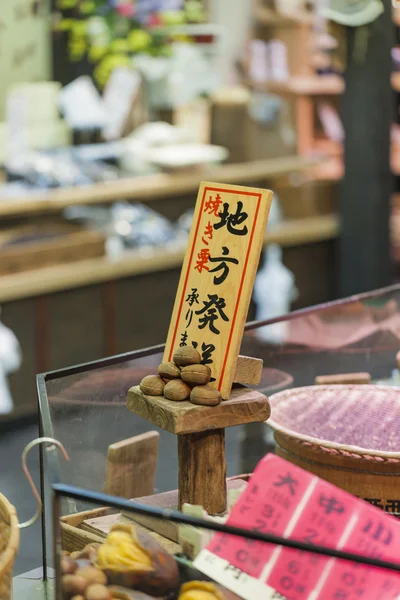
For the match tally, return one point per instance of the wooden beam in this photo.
(343, 379)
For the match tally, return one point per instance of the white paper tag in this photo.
(119, 96)
(16, 128)
(232, 578)
(82, 105)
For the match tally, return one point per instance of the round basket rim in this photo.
(326, 444)
(8, 556)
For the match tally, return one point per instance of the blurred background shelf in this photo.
(68, 314)
(294, 232)
(312, 85)
(153, 187)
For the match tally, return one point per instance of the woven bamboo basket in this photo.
(9, 543)
(348, 435)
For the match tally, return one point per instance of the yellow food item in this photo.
(119, 46)
(66, 4)
(96, 52)
(122, 550)
(87, 7)
(200, 590)
(139, 40)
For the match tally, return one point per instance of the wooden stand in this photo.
(202, 470)
(201, 439)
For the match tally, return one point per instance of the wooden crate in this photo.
(92, 526)
(73, 537)
(76, 532)
(67, 244)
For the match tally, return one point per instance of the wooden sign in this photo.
(218, 275)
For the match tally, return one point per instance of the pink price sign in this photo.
(282, 499)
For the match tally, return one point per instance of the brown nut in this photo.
(169, 371)
(206, 395)
(176, 390)
(92, 575)
(187, 355)
(88, 553)
(97, 592)
(152, 385)
(196, 374)
(73, 585)
(68, 565)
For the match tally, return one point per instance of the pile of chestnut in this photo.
(185, 378)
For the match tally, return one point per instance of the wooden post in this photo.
(367, 185)
(202, 470)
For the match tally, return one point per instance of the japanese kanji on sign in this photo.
(218, 275)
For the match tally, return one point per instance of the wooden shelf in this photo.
(331, 170)
(88, 272)
(315, 85)
(151, 187)
(303, 86)
(268, 16)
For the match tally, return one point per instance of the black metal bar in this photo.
(42, 495)
(101, 363)
(367, 185)
(178, 517)
(53, 472)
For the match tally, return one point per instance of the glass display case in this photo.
(84, 406)
(252, 560)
